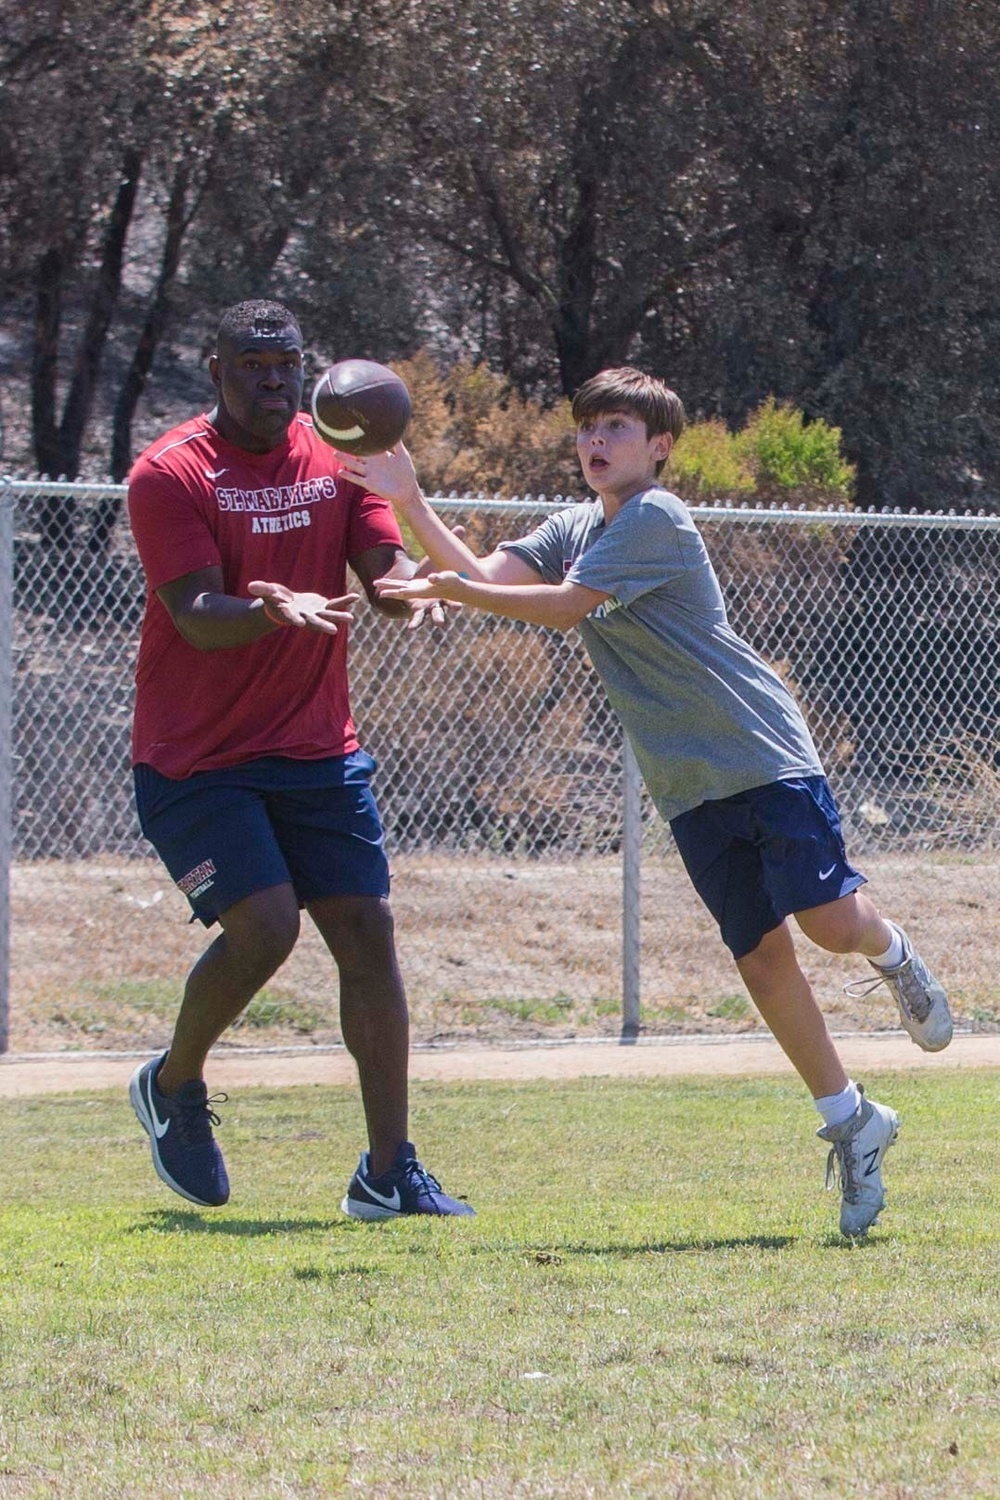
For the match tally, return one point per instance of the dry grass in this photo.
(492, 949)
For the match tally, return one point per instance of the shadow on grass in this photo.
(169, 1221)
(335, 1273)
(854, 1243)
(674, 1247)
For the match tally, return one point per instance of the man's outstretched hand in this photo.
(306, 611)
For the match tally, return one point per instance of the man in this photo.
(250, 781)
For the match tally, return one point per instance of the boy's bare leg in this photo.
(852, 924)
(784, 997)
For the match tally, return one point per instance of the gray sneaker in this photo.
(922, 1002)
(856, 1151)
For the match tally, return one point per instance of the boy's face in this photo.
(616, 456)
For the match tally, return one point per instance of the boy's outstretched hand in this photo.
(390, 474)
(434, 586)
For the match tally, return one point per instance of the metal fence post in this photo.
(6, 716)
(631, 866)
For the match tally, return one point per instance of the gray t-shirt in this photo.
(706, 716)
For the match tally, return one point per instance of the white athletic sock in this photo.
(893, 955)
(836, 1109)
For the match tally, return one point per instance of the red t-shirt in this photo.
(196, 501)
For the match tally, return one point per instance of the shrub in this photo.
(472, 434)
(792, 458)
(706, 464)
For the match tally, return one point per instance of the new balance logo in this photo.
(870, 1160)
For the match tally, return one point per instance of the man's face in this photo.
(258, 376)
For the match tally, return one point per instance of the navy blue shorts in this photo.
(226, 834)
(760, 856)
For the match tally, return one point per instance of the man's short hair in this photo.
(630, 390)
(255, 319)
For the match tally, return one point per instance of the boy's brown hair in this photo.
(634, 392)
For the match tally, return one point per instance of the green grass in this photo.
(651, 1302)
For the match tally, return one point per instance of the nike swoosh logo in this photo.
(215, 473)
(825, 874)
(393, 1201)
(160, 1127)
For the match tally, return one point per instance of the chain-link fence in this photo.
(515, 836)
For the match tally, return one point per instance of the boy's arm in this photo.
(557, 605)
(393, 476)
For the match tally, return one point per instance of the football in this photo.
(360, 407)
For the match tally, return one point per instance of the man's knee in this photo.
(358, 930)
(262, 930)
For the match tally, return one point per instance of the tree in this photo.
(563, 158)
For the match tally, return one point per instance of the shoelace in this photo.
(414, 1170)
(840, 1157)
(195, 1120)
(859, 988)
(908, 989)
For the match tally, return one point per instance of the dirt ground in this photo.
(495, 951)
(862, 1054)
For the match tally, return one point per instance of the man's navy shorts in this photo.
(761, 855)
(226, 834)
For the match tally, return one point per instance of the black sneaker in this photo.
(180, 1135)
(405, 1189)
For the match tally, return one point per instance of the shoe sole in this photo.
(369, 1211)
(142, 1115)
(926, 1044)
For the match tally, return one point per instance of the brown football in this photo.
(360, 407)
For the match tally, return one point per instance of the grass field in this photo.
(651, 1302)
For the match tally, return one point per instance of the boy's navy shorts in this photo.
(761, 855)
(226, 834)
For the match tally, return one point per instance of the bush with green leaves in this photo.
(778, 457)
(473, 434)
(707, 465)
(790, 457)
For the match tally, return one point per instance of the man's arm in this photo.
(384, 562)
(557, 605)
(211, 620)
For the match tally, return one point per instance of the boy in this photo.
(721, 743)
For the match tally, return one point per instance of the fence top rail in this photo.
(720, 511)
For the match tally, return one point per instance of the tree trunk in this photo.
(80, 399)
(55, 512)
(48, 309)
(156, 317)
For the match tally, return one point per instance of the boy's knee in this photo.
(836, 927)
